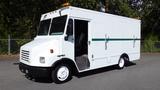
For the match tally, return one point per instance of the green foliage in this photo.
(15, 45)
(124, 8)
(20, 18)
(3, 46)
(88, 4)
(150, 18)
(149, 43)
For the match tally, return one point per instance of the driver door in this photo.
(68, 44)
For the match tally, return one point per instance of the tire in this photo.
(61, 74)
(121, 63)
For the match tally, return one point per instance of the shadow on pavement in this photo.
(129, 64)
(101, 70)
(16, 63)
(39, 80)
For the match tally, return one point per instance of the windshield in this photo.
(44, 27)
(58, 25)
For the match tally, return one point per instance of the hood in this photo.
(41, 42)
(41, 46)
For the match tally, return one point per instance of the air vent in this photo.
(25, 55)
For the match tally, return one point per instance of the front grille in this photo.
(25, 55)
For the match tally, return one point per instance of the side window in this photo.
(70, 27)
(69, 32)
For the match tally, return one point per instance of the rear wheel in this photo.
(61, 73)
(121, 63)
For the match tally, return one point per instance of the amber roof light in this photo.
(66, 4)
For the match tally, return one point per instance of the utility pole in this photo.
(9, 44)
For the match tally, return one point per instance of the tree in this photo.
(88, 4)
(150, 18)
(129, 8)
(20, 18)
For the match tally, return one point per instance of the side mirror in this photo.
(66, 37)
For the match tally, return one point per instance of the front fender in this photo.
(67, 61)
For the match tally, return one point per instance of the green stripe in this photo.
(114, 39)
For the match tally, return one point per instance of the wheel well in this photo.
(124, 55)
(67, 61)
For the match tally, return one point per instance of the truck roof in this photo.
(67, 10)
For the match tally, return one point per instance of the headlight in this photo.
(42, 59)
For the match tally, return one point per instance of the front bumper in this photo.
(35, 71)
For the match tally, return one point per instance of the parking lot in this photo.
(141, 75)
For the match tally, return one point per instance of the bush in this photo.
(15, 45)
(149, 44)
(3, 46)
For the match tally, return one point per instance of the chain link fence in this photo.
(11, 46)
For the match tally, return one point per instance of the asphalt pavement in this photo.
(143, 74)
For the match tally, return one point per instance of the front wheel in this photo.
(61, 73)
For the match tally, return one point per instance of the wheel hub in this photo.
(121, 62)
(63, 73)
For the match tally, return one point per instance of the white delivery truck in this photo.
(73, 40)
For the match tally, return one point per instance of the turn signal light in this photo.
(51, 51)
